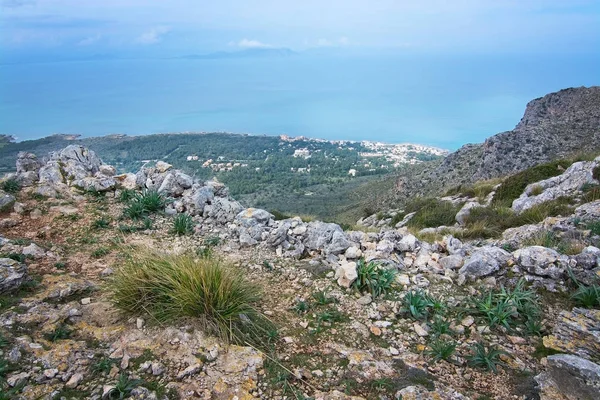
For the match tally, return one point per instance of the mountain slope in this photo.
(555, 126)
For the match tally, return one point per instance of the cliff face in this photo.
(554, 126)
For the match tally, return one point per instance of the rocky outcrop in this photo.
(576, 332)
(570, 377)
(565, 184)
(554, 126)
(12, 275)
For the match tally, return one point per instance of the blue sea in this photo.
(444, 101)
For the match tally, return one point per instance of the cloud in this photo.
(251, 44)
(342, 41)
(89, 40)
(153, 36)
(16, 3)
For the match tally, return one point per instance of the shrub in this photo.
(10, 186)
(441, 349)
(485, 358)
(278, 215)
(373, 278)
(596, 173)
(169, 287)
(183, 224)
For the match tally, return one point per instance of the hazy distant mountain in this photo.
(248, 53)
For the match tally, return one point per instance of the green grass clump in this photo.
(124, 387)
(515, 185)
(126, 195)
(278, 215)
(419, 304)
(142, 204)
(440, 349)
(510, 307)
(430, 213)
(101, 223)
(10, 186)
(373, 278)
(170, 287)
(301, 307)
(60, 332)
(100, 252)
(182, 224)
(587, 296)
(594, 227)
(322, 298)
(151, 200)
(484, 358)
(135, 210)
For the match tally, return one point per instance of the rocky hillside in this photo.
(380, 313)
(555, 126)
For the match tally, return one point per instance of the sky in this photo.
(198, 26)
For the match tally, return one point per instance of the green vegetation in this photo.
(127, 195)
(100, 252)
(101, 223)
(491, 221)
(508, 308)
(419, 304)
(170, 287)
(322, 298)
(183, 224)
(124, 387)
(141, 204)
(587, 296)
(440, 349)
(10, 186)
(373, 278)
(484, 358)
(430, 212)
(60, 332)
(515, 185)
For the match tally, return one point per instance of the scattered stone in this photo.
(6, 201)
(74, 381)
(346, 274)
(86, 300)
(12, 275)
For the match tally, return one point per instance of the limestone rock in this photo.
(34, 250)
(576, 332)
(485, 261)
(346, 274)
(565, 184)
(465, 211)
(6, 201)
(542, 261)
(570, 377)
(12, 275)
